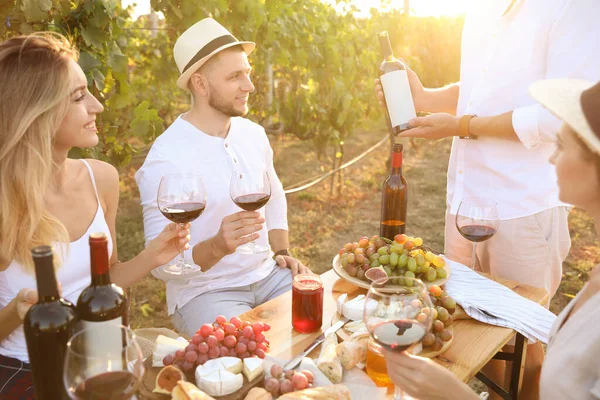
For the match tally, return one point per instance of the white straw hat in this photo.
(200, 42)
(576, 102)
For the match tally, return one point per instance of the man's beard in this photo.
(217, 102)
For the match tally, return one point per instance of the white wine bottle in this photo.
(396, 89)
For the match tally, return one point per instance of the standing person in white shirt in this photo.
(212, 140)
(508, 138)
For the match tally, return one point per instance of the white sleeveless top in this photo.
(74, 275)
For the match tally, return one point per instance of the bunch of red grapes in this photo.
(282, 382)
(235, 338)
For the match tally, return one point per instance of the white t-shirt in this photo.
(501, 55)
(182, 148)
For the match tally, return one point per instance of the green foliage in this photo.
(99, 30)
(323, 62)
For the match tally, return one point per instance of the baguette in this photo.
(329, 363)
(258, 394)
(352, 352)
(189, 391)
(333, 392)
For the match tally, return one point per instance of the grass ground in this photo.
(320, 224)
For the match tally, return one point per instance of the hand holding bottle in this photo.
(28, 297)
(418, 91)
(25, 299)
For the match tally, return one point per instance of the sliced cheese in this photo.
(354, 308)
(253, 368)
(340, 303)
(232, 364)
(165, 346)
(220, 382)
(371, 306)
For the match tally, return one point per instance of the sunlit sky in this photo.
(434, 8)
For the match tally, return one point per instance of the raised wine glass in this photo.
(477, 220)
(398, 318)
(181, 199)
(103, 362)
(250, 189)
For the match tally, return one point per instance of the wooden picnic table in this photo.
(474, 343)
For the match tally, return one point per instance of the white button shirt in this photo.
(185, 149)
(502, 54)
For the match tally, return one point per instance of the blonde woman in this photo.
(45, 197)
(571, 368)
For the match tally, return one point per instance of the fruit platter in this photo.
(225, 360)
(377, 257)
(435, 342)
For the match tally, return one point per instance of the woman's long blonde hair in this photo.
(34, 98)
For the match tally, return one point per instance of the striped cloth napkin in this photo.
(488, 301)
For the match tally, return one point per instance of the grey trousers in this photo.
(230, 302)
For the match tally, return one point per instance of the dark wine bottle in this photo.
(394, 198)
(48, 325)
(102, 303)
(396, 89)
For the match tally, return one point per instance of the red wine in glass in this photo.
(252, 202)
(250, 190)
(181, 198)
(182, 213)
(399, 335)
(115, 385)
(477, 233)
(477, 220)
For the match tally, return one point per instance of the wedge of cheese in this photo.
(340, 303)
(353, 309)
(220, 382)
(253, 368)
(164, 346)
(231, 364)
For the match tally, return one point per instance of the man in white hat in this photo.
(502, 139)
(213, 140)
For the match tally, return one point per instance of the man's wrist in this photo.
(464, 131)
(282, 252)
(216, 249)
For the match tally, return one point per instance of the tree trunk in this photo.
(407, 7)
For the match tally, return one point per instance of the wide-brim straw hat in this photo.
(199, 43)
(576, 102)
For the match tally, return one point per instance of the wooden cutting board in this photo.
(149, 383)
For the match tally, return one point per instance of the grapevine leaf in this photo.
(87, 62)
(98, 79)
(93, 36)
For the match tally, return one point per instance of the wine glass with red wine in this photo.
(250, 190)
(115, 373)
(477, 220)
(181, 199)
(398, 318)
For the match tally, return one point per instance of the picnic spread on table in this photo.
(252, 356)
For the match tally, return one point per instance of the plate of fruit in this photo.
(434, 343)
(366, 260)
(224, 359)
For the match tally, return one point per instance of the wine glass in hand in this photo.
(103, 362)
(398, 318)
(477, 220)
(181, 199)
(250, 190)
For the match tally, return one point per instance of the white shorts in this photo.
(528, 250)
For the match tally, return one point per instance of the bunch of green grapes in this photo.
(444, 308)
(402, 257)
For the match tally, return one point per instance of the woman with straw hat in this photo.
(571, 368)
